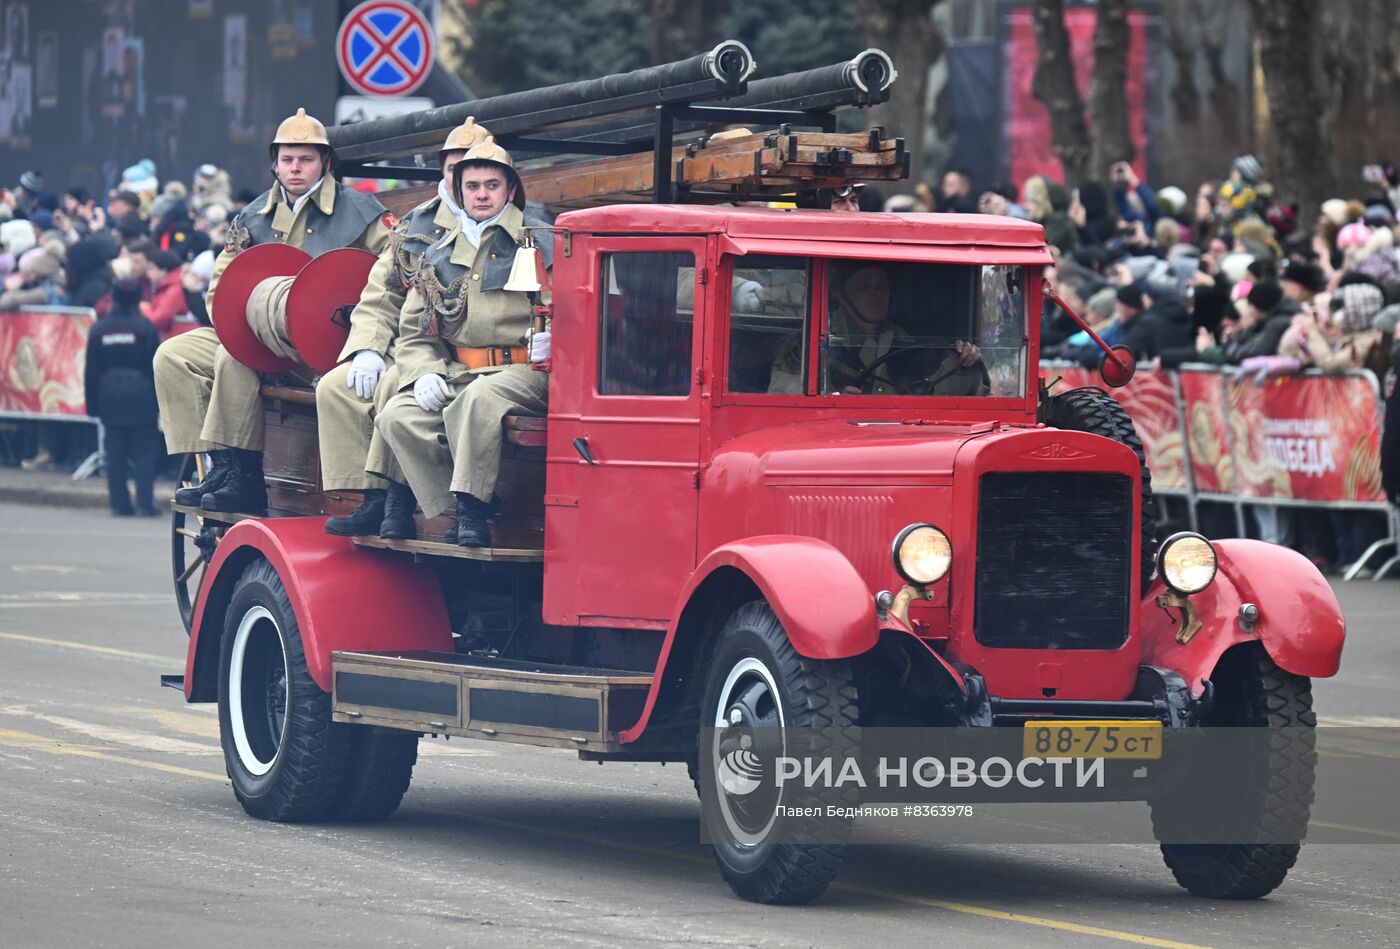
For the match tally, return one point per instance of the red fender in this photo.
(825, 607)
(1300, 622)
(344, 597)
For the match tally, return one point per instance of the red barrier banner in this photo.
(1151, 404)
(42, 355)
(1314, 438)
(1203, 405)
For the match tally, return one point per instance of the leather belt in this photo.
(489, 357)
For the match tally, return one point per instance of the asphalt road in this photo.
(120, 829)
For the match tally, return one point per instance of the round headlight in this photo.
(922, 554)
(1186, 562)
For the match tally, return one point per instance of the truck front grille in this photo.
(1054, 560)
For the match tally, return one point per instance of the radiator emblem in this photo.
(1057, 451)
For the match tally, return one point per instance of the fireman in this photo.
(348, 397)
(460, 377)
(208, 400)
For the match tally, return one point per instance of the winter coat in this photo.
(119, 380)
(1390, 430)
(168, 302)
(46, 292)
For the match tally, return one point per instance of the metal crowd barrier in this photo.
(1222, 435)
(43, 350)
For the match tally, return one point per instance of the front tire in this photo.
(758, 683)
(1275, 788)
(284, 754)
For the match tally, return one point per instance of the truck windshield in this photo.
(887, 328)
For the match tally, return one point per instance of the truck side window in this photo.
(769, 303)
(646, 324)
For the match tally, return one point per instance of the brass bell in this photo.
(524, 269)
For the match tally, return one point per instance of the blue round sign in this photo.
(385, 48)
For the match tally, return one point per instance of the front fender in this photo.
(825, 607)
(1300, 622)
(344, 597)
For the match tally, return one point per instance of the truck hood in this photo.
(874, 452)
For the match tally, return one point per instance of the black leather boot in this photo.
(362, 521)
(471, 523)
(398, 513)
(245, 492)
(220, 467)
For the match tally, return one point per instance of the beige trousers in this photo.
(184, 371)
(470, 460)
(351, 446)
(235, 415)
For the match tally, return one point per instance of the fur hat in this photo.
(1356, 305)
(1131, 296)
(1307, 276)
(1265, 296)
(41, 262)
(17, 237)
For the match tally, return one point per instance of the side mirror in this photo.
(1117, 366)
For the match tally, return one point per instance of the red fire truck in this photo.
(749, 510)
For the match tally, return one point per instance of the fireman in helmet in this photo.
(465, 350)
(349, 396)
(209, 402)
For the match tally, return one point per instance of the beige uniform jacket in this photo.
(495, 317)
(291, 229)
(374, 323)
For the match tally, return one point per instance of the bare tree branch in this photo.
(1055, 87)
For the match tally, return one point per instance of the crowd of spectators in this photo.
(1229, 277)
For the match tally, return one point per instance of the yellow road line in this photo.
(202, 726)
(891, 896)
(52, 746)
(89, 647)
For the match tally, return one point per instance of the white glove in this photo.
(365, 371)
(748, 297)
(431, 393)
(539, 346)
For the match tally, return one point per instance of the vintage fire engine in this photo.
(743, 514)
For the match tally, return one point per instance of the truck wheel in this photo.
(284, 754)
(377, 773)
(757, 684)
(1276, 786)
(192, 541)
(1098, 413)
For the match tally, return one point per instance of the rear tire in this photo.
(284, 754)
(1251, 691)
(756, 674)
(1098, 413)
(377, 773)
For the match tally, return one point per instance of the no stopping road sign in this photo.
(385, 48)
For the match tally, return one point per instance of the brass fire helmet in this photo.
(488, 151)
(301, 129)
(464, 137)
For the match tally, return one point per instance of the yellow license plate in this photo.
(1092, 739)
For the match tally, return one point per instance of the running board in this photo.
(477, 697)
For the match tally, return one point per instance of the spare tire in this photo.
(1098, 413)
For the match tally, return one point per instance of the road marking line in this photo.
(202, 726)
(89, 647)
(53, 746)
(1043, 922)
(1357, 830)
(112, 735)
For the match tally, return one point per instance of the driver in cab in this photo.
(870, 354)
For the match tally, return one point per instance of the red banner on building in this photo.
(42, 355)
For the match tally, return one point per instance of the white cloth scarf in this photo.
(474, 229)
(445, 194)
(296, 204)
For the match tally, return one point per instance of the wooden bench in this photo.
(292, 466)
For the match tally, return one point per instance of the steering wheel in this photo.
(922, 387)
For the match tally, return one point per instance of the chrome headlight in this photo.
(1186, 562)
(922, 554)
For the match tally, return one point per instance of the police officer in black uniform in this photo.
(120, 388)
